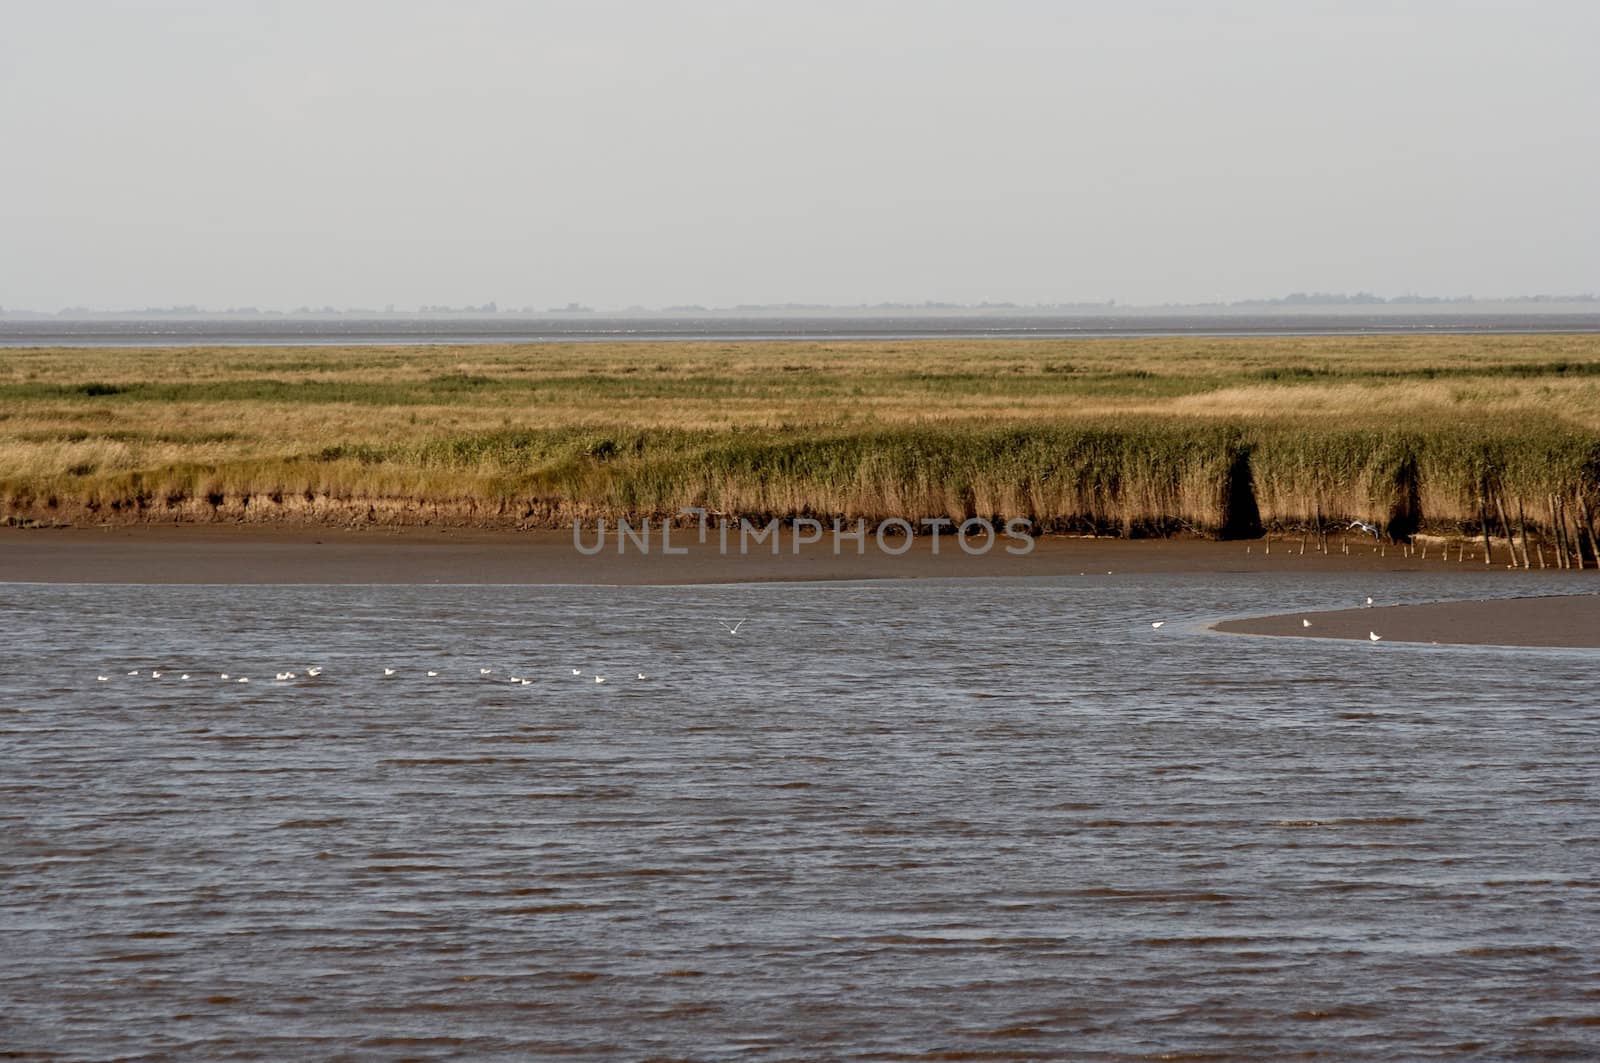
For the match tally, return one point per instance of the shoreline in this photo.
(288, 554)
(256, 554)
(787, 325)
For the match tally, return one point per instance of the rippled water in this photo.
(983, 819)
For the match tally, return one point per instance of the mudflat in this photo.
(279, 554)
(1569, 620)
(273, 553)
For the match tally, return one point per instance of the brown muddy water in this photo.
(984, 819)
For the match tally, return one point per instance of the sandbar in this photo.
(1567, 620)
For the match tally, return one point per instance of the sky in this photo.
(535, 153)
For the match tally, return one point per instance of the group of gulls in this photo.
(1372, 636)
(389, 673)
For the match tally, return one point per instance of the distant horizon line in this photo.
(1293, 301)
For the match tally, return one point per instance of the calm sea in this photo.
(461, 329)
(896, 820)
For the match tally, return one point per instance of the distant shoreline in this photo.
(774, 327)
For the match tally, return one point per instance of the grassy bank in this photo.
(1138, 436)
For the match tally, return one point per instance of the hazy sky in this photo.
(355, 153)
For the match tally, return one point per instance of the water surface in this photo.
(353, 329)
(975, 819)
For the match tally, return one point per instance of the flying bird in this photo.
(599, 679)
(1366, 529)
(734, 630)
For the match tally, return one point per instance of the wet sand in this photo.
(1571, 620)
(258, 553)
(265, 554)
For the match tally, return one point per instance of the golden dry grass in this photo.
(1116, 434)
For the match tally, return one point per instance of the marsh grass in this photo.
(1126, 437)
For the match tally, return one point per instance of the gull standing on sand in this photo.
(1374, 636)
(1304, 622)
